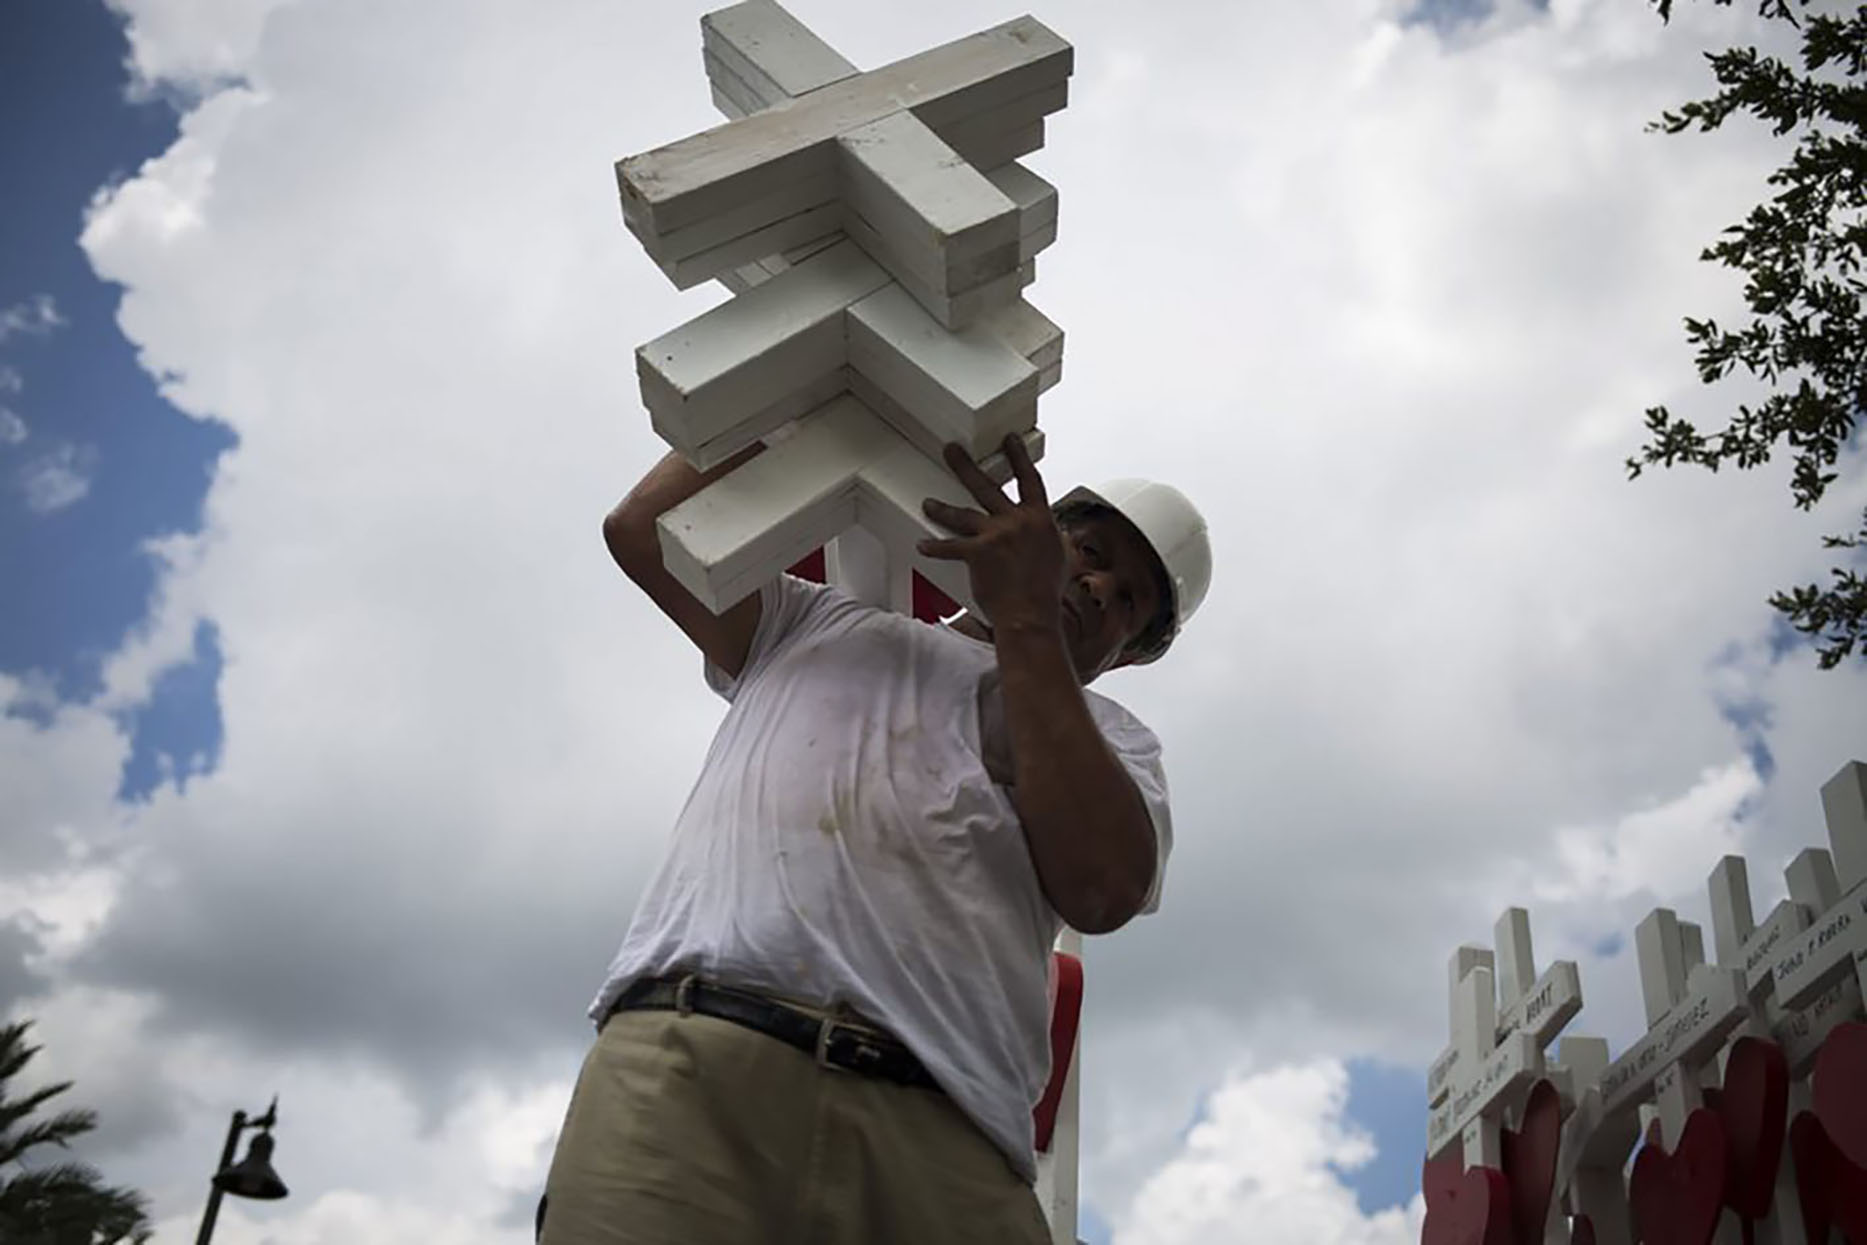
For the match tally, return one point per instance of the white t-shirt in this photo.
(845, 846)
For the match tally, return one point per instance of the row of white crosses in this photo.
(876, 231)
(1791, 979)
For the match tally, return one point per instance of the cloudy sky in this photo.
(334, 753)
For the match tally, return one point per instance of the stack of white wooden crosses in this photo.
(877, 232)
(1746, 1098)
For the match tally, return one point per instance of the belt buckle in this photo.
(825, 1029)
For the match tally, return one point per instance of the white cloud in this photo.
(1388, 309)
(192, 46)
(10, 380)
(34, 317)
(1265, 1163)
(1662, 850)
(57, 479)
(12, 428)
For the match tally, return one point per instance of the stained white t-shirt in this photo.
(845, 846)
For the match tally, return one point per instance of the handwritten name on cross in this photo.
(1488, 1074)
(1834, 888)
(1691, 1008)
(879, 345)
(1758, 951)
(1538, 1005)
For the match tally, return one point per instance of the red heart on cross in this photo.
(1529, 1160)
(1464, 1208)
(1840, 1090)
(1754, 1105)
(1678, 1197)
(1833, 1191)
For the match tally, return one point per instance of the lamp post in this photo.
(252, 1176)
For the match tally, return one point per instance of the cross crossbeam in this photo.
(877, 275)
(893, 157)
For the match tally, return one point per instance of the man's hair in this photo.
(1160, 626)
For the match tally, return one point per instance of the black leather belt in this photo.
(832, 1043)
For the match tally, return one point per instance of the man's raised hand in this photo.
(1012, 551)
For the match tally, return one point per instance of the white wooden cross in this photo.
(1487, 1072)
(1834, 889)
(1593, 1158)
(1755, 950)
(1526, 1002)
(878, 275)
(1691, 1008)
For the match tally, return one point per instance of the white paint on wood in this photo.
(722, 543)
(760, 426)
(1026, 330)
(1463, 961)
(967, 386)
(1032, 243)
(1486, 1075)
(1844, 804)
(731, 108)
(752, 203)
(842, 466)
(693, 178)
(989, 146)
(771, 50)
(935, 213)
(1824, 953)
(1811, 879)
(746, 219)
(1541, 1008)
(1690, 1013)
(795, 230)
(718, 369)
(1596, 1185)
(1036, 199)
(858, 563)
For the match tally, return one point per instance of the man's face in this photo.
(1112, 591)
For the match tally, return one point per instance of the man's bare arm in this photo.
(1087, 827)
(629, 531)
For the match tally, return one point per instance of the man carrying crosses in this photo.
(827, 1021)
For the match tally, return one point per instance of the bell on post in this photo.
(253, 1176)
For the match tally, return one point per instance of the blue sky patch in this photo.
(177, 735)
(92, 461)
(1448, 15)
(1387, 1101)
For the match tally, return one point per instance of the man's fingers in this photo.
(943, 550)
(953, 518)
(1031, 491)
(976, 481)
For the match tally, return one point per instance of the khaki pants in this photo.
(688, 1130)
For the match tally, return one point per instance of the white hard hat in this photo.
(1174, 529)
